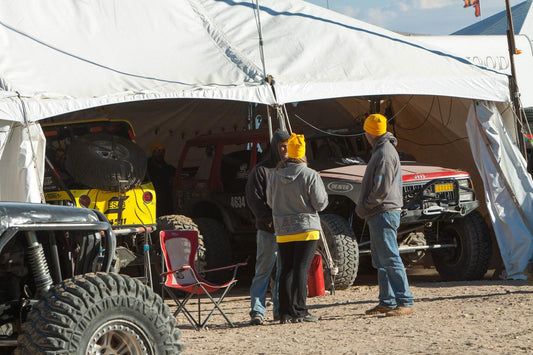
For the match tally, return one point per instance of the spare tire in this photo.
(106, 162)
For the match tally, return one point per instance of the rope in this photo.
(260, 33)
(287, 118)
(326, 132)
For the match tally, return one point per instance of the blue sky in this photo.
(434, 17)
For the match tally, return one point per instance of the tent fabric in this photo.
(508, 187)
(22, 171)
(485, 43)
(75, 55)
(492, 52)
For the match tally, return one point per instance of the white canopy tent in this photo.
(492, 52)
(485, 43)
(68, 56)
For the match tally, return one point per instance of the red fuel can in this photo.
(315, 278)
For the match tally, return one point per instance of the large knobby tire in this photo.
(470, 259)
(106, 162)
(100, 313)
(217, 248)
(343, 248)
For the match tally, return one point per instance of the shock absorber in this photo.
(38, 264)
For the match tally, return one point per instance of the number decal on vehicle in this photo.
(238, 202)
(117, 221)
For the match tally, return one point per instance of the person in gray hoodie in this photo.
(267, 248)
(296, 194)
(380, 204)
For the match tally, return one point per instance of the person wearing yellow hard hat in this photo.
(296, 194)
(380, 203)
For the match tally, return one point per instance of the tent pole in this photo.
(515, 92)
(269, 121)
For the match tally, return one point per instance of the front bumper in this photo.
(437, 213)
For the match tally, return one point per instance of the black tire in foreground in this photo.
(217, 248)
(102, 161)
(100, 313)
(471, 258)
(343, 248)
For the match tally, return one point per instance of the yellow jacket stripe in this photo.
(300, 237)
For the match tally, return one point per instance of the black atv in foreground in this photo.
(58, 295)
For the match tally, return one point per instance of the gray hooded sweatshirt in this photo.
(381, 189)
(296, 194)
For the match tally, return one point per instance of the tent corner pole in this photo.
(514, 90)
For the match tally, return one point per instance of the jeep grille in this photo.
(410, 190)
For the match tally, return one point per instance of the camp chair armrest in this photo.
(221, 268)
(226, 267)
(183, 268)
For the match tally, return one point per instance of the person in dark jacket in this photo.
(380, 204)
(162, 174)
(267, 250)
(296, 194)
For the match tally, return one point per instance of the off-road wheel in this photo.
(106, 162)
(100, 314)
(470, 259)
(343, 248)
(217, 248)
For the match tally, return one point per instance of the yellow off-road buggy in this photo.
(96, 164)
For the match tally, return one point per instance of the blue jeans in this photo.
(266, 257)
(392, 278)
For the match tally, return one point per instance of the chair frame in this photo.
(199, 286)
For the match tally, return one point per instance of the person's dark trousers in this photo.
(296, 258)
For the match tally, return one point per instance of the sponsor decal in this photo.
(117, 221)
(419, 176)
(113, 205)
(53, 195)
(499, 63)
(339, 186)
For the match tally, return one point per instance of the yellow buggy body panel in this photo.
(132, 211)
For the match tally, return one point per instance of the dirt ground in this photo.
(481, 317)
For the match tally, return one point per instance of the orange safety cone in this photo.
(315, 278)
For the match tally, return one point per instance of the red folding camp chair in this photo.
(179, 248)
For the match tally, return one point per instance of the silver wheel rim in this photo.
(119, 337)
